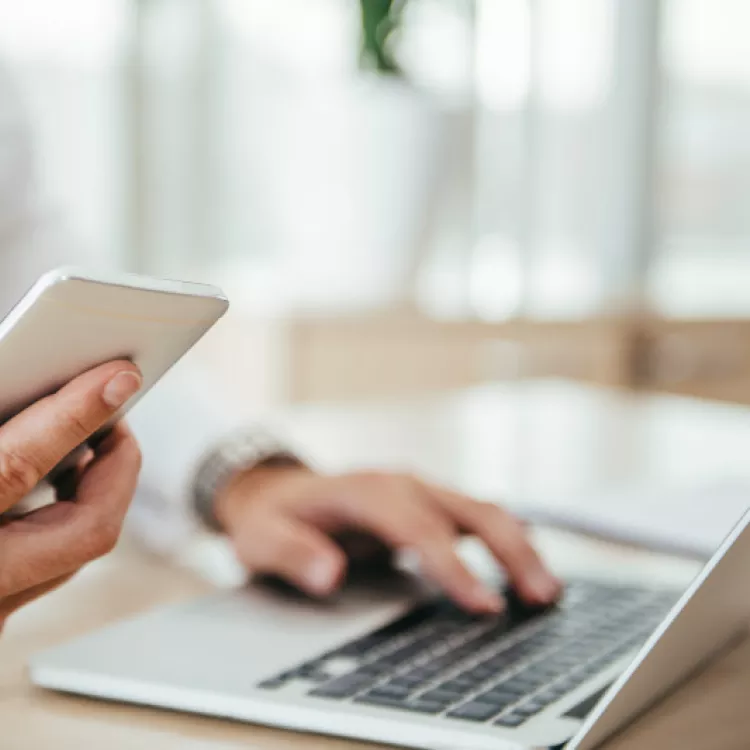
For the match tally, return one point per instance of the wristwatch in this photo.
(235, 454)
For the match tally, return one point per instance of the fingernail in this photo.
(121, 388)
(321, 576)
(545, 586)
(487, 600)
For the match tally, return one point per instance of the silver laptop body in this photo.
(381, 665)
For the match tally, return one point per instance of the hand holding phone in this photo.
(41, 550)
(73, 320)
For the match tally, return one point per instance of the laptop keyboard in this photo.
(438, 660)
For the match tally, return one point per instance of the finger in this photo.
(298, 553)
(36, 440)
(60, 538)
(65, 482)
(10, 604)
(440, 563)
(506, 538)
(395, 511)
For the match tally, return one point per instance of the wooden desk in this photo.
(528, 437)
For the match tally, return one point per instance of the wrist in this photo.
(226, 464)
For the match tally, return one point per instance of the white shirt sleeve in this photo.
(176, 424)
(181, 418)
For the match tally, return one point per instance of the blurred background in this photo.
(401, 196)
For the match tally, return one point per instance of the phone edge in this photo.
(130, 281)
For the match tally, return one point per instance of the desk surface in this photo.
(527, 438)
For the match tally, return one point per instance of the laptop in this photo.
(399, 667)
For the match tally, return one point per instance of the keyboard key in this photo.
(406, 680)
(424, 707)
(272, 684)
(389, 690)
(426, 671)
(374, 699)
(547, 697)
(557, 689)
(288, 675)
(404, 654)
(522, 686)
(511, 687)
(499, 663)
(482, 673)
(533, 677)
(530, 708)
(457, 685)
(548, 671)
(416, 706)
(471, 679)
(567, 661)
(441, 696)
(510, 720)
(316, 672)
(375, 668)
(343, 687)
(474, 711)
(499, 699)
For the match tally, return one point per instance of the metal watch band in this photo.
(235, 454)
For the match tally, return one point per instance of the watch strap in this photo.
(235, 454)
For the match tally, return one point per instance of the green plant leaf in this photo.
(380, 18)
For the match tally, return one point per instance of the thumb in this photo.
(37, 439)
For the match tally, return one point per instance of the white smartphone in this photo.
(74, 319)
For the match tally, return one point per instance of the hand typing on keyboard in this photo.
(506, 669)
(293, 523)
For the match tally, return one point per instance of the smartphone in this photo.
(74, 319)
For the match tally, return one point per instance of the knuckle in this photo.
(136, 453)
(414, 528)
(101, 537)
(16, 574)
(374, 491)
(76, 426)
(490, 513)
(489, 510)
(403, 488)
(388, 482)
(423, 529)
(519, 549)
(19, 474)
(383, 486)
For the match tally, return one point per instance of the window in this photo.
(702, 254)
(67, 60)
(545, 84)
(538, 158)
